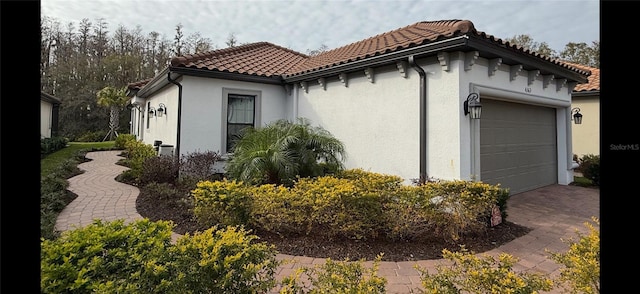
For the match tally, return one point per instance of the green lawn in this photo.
(53, 160)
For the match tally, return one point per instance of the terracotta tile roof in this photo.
(406, 37)
(269, 60)
(593, 80)
(138, 85)
(260, 59)
(402, 38)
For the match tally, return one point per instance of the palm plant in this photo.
(115, 99)
(282, 151)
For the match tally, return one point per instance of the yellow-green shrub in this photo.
(137, 153)
(108, 257)
(113, 257)
(327, 206)
(371, 181)
(222, 202)
(483, 274)
(122, 139)
(229, 260)
(276, 209)
(336, 277)
(463, 206)
(409, 214)
(581, 271)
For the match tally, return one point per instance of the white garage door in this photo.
(517, 145)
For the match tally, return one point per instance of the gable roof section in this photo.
(593, 81)
(259, 59)
(406, 37)
(49, 98)
(424, 34)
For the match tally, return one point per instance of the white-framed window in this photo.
(241, 109)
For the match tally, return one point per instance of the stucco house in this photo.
(402, 102)
(586, 99)
(49, 112)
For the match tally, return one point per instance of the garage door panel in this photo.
(517, 145)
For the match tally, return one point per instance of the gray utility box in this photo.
(165, 150)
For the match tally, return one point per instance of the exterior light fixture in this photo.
(161, 109)
(576, 115)
(152, 112)
(472, 106)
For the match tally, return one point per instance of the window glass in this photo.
(240, 115)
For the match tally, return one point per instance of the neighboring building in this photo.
(49, 112)
(396, 100)
(586, 97)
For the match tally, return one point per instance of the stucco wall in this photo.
(586, 136)
(203, 102)
(46, 110)
(379, 121)
(161, 128)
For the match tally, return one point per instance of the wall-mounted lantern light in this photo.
(152, 112)
(576, 115)
(161, 109)
(472, 106)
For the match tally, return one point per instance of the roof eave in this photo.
(545, 66)
(158, 82)
(275, 80)
(49, 98)
(585, 93)
(416, 51)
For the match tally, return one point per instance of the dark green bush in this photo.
(95, 136)
(198, 166)
(590, 168)
(159, 169)
(53, 144)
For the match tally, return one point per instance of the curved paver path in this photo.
(554, 213)
(100, 196)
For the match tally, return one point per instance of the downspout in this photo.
(179, 112)
(295, 102)
(423, 119)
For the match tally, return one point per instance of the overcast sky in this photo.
(304, 25)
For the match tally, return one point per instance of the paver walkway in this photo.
(554, 213)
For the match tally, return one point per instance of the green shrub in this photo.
(462, 206)
(113, 257)
(122, 139)
(352, 204)
(229, 260)
(326, 206)
(590, 168)
(53, 144)
(221, 203)
(408, 214)
(468, 273)
(108, 257)
(137, 153)
(89, 136)
(336, 277)
(581, 263)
